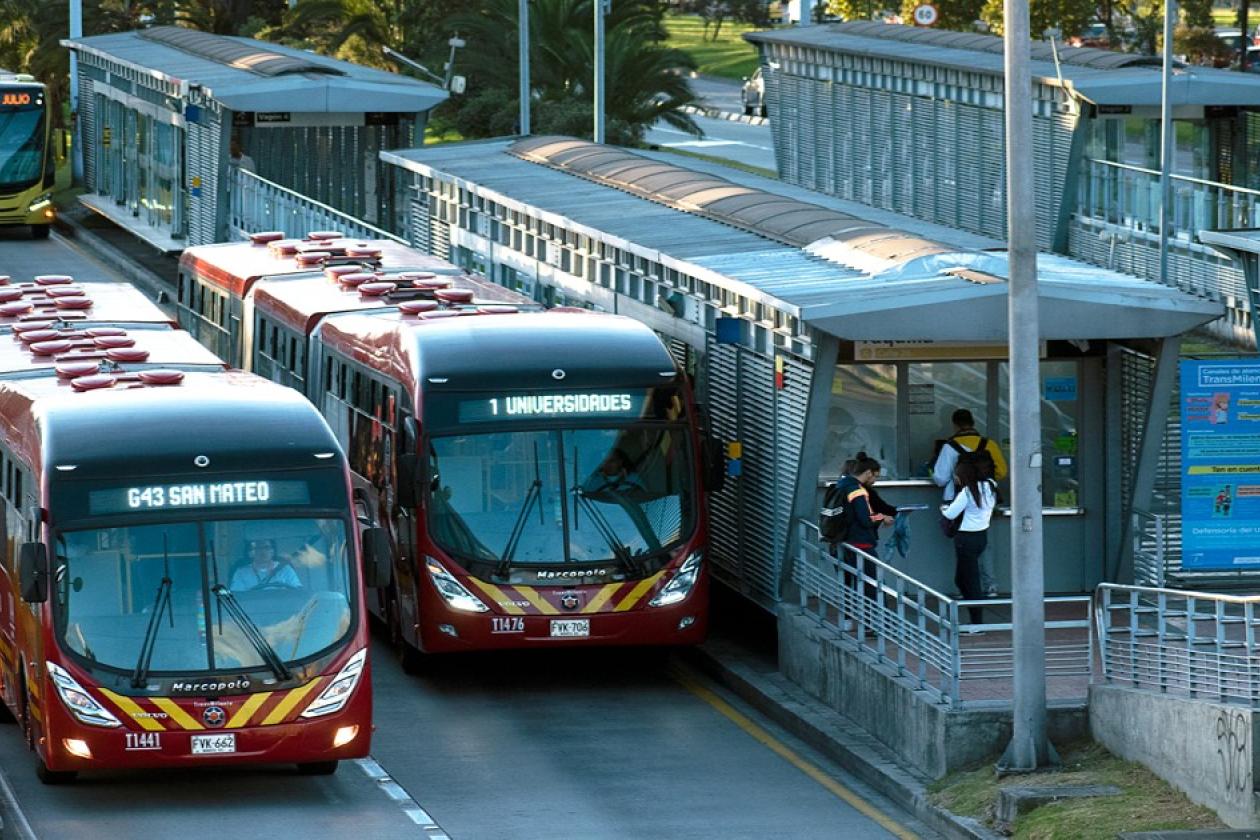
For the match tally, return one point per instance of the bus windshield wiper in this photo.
(251, 631)
(534, 494)
(161, 603)
(621, 552)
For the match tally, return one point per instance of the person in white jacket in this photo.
(974, 502)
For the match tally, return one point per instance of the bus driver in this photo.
(264, 570)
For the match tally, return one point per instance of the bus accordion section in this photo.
(27, 159)
(539, 472)
(176, 592)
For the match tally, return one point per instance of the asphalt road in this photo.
(553, 744)
(750, 145)
(717, 92)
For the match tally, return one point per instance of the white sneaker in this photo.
(992, 593)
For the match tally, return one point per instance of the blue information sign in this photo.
(1220, 464)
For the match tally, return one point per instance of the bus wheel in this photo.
(53, 777)
(410, 659)
(317, 768)
(40, 231)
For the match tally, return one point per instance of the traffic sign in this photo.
(925, 15)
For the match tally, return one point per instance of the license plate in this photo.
(207, 744)
(570, 628)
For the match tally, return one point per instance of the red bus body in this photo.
(108, 436)
(367, 360)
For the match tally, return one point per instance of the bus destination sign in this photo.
(198, 495)
(583, 405)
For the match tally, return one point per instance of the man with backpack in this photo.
(968, 443)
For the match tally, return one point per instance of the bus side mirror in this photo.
(407, 480)
(378, 559)
(33, 572)
(714, 465)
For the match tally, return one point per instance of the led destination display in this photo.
(584, 405)
(244, 493)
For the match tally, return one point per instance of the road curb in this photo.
(73, 231)
(729, 116)
(852, 747)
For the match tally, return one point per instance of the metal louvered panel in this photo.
(860, 117)
(757, 433)
(926, 183)
(440, 239)
(842, 97)
(969, 158)
(203, 157)
(904, 171)
(825, 138)
(418, 227)
(946, 163)
(807, 135)
(880, 144)
(992, 174)
(87, 127)
(1137, 377)
(722, 401)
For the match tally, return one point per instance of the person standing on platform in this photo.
(966, 439)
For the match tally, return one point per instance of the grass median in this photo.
(1146, 803)
(730, 55)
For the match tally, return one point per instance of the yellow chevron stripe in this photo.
(177, 714)
(133, 710)
(531, 595)
(601, 598)
(247, 709)
(498, 597)
(638, 592)
(282, 709)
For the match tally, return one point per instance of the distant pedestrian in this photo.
(239, 159)
(966, 439)
(974, 501)
(864, 522)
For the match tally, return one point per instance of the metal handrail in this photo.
(1193, 644)
(913, 628)
(1187, 178)
(258, 204)
(1150, 565)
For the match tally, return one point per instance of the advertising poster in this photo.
(1220, 464)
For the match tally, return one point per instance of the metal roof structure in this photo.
(1103, 77)
(853, 289)
(248, 75)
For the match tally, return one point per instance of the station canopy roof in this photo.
(248, 75)
(843, 268)
(1103, 77)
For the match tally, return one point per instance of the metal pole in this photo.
(807, 13)
(523, 45)
(76, 31)
(599, 70)
(1029, 747)
(1166, 140)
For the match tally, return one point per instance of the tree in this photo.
(960, 15)
(1069, 17)
(644, 80)
(855, 9)
(1197, 14)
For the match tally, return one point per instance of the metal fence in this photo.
(922, 633)
(1192, 644)
(1149, 563)
(258, 204)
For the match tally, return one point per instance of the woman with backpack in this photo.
(974, 500)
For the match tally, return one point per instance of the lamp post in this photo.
(600, 9)
(1029, 748)
(1166, 148)
(523, 44)
(76, 31)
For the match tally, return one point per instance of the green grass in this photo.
(445, 134)
(730, 55)
(1147, 803)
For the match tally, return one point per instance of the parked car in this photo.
(753, 94)
(1093, 35)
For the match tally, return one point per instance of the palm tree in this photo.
(645, 81)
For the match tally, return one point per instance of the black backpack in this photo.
(981, 457)
(834, 518)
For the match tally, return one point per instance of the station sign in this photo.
(1220, 464)
(926, 350)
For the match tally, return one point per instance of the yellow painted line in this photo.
(177, 714)
(496, 595)
(132, 708)
(601, 598)
(247, 709)
(531, 595)
(637, 593)
(286, 705)
(787, 754)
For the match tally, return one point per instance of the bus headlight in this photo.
(682, 584)
(452, 591)
(41, 203)
(334, 697)
(77, 700)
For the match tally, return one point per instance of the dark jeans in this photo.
(867, 566)
(968, 546)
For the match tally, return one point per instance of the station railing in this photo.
(1150, 565)
(258, 204)
(924, 635)
(1190, 644)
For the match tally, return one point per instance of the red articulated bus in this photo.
(173, 592)
(539, 471)
(56, 301)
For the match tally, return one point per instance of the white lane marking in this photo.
(693, 141)
(13, 811)
(396, 792)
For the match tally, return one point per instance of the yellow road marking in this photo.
(133, 709)
(286, 705)
(787, 754)
(638, 591)
(498, 597)
(247, 709)
(529, 594)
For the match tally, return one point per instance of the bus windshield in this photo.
(199, 590)
(539, 497)
(21, 146)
